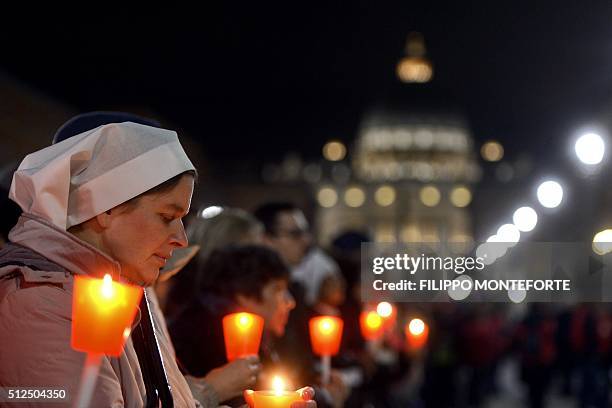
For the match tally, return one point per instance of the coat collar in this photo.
(63, 248)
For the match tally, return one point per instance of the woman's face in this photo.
(274, 306)
(142, 235)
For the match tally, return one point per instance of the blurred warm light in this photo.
(385, 233)
(461, 238)
(373, 320)
(334, 150)
(416, 327)
(385, 196)
(525, 219)
(461, 196)
(384, 309)
(354, 197)
(430, 196)
(411, 233)
(590, 148)
(492, 151)
(210, 212)
(107, 286)
(245, 321)
(327, 197)
(602, 242)
(461, 243)
(550, 194)
(278, 385)
(325, 335)
(431, 237)
(414, 69)
(508, 233)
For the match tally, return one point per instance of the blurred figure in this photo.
(230, 226)
(535, 339)
(331, 295)
(285, 230)
(591, 340)
(239, 278)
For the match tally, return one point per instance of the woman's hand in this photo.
(232, 378)
(307, 394)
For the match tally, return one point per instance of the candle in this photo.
(388, 314)
(371, 325)
(416, 334)
(242, 334)
(325, 337)
(102, 314)
(276, 398)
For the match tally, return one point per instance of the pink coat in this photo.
(35, 324)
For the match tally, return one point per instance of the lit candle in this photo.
(388, 313)
(416, 334)
(325, 337)
(242, 334)
(102, 314)
(371, 325)
(276, 398)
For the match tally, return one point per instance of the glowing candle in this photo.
(388, 313)
(102, 314)
(371, 325)
(325, 337)
(275, 398)
(416, 334)
(242, 334)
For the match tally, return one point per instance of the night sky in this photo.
(249, 79)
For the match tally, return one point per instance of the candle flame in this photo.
(107, 286)
(416, 327)
(245, 321)
(278, 385)
(326, 326)
(384, 309)
(373, 320)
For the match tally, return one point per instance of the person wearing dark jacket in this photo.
(246, 278)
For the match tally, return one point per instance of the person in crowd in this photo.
(246, 278)
(73, 223)
(84, 230)
(286, 231)
(223, 227)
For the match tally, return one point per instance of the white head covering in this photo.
(85, 175)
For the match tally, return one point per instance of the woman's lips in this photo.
(160, 259)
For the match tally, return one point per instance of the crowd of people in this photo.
(112, 193)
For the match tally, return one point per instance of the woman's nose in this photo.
(179, 237)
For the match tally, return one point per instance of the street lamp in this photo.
(590, 148)
(550, 194)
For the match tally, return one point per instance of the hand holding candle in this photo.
(242, 334)
(279, 398)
